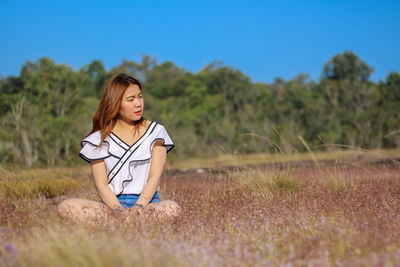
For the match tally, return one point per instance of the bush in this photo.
(35, 188)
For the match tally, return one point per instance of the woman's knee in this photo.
(81, 210)
(171, 208)
(67, 207)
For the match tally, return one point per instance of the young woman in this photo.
(127, 154)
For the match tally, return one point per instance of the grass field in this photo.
(342, 209)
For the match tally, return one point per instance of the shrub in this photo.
(35, 188)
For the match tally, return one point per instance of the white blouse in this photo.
(127, 166)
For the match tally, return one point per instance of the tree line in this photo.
(47, 110)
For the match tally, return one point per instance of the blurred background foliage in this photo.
(48, 109)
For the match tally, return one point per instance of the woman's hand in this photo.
(136, 210)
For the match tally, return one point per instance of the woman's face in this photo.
(131, 107)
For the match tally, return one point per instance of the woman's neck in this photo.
(127, 127)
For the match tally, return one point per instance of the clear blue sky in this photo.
(264, 39)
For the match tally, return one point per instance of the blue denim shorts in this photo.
(128, 200)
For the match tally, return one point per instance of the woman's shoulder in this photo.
(156, 124)
(91, 149)
(93, 138)
(156, 127)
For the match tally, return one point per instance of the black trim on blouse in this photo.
(108, 151)
(118, 143)
(131, 179)
(129, 150)
(90, 160)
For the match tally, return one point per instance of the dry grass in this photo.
(252, 217)
(333, 154)
(42, 183)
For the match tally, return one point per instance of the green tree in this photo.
(389, 109)
(350, 95)
(92, 78)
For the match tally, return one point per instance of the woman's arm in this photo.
(100, 181)
(158, 159)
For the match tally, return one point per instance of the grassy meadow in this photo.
(324, 209)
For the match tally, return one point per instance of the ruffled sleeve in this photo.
(163, 135)
(90, 151)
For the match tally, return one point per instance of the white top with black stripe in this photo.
(127, 166)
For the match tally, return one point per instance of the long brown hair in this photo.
(106, 115)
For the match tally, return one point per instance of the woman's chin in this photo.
(136, 120)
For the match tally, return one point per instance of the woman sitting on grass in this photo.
(127, 154)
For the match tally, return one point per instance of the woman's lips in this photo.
(138, 112)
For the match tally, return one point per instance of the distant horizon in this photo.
(264, 40)
(108, 68)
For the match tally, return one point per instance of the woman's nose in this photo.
(137, 102)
